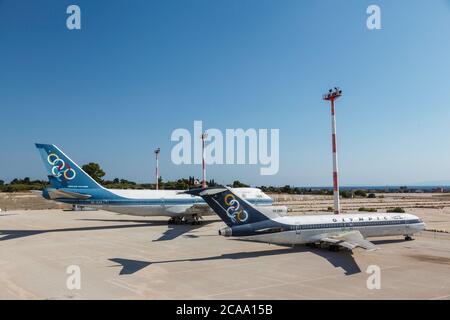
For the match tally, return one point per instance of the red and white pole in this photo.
(157, 167)
(332, 96)
(337, 205)
(204, 135)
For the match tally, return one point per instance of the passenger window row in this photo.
(356, 224)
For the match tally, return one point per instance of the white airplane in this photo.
(265, 224)
(70, 184)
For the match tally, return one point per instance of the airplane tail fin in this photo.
(229, 207)
(62, 171)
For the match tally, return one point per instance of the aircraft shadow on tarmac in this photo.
(14, 234)
(155, 223)
(387, 241)
(173, 232)
(342, 259)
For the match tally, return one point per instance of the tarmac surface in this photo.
(126, 257)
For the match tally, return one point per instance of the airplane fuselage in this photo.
(313, 228)
(146, 202)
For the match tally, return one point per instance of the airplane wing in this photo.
(177, 209)
(350, 240)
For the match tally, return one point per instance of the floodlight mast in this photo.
(157, 151)
(331, 96)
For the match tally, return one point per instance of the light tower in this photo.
(157, 151)
(203, 137)
(331, 96)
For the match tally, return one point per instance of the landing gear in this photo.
(333, 248)
(175, 220)
(194, 220)
(408, 238)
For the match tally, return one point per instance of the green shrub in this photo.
(396, 210)
(346, 194)
(360, 193)
(367, 209)
(371, 196)
(238, 184)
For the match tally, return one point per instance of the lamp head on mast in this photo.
(332, 94)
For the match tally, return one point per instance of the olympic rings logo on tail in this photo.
(60, 169)
(234, 211)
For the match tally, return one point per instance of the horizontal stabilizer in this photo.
(61, 194)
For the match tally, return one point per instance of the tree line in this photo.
(97, 173)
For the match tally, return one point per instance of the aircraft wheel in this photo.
(408, 238)
(334, 248)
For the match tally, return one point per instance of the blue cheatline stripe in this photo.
(150, 202)
(357, 224)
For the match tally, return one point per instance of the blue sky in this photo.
(137, 70)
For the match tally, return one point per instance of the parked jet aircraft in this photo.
(70, 184)
(266, 225)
